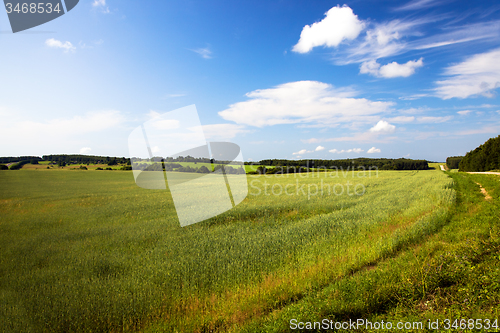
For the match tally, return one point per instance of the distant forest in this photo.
(452, 162)
(380, 163)
(484, 158)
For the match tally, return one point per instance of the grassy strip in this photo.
(452, 274)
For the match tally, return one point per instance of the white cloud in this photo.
(402, 119)
(390, 70)
(339, 24)
(304, 151)
(383, 127)
(67, 46)
(419, 4)
(434, 120)
(477, 75)
(174, 96)
(303, 102)
(102, 5)
(461, 34)
(223, 131)
(85, 150)
(353, 150)
(301, 152)
(464, 112)
(373, 150)
(413, 97)
(205, 53)
(383, 40)
(400, 36)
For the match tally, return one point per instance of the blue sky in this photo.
(283, 79)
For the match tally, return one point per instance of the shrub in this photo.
(203, 169)
(18, 165)
(99, 169)
(3, 167)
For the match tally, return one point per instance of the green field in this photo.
(90, 251)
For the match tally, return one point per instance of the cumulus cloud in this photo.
(305, 151)
(464, 112)
(353, 150)
(339, 24)
(392, 69)
(383, 127)
(66, 46)
(373, 150)
(85, 150)
(301, 152)
(477, 75)
(303, 102)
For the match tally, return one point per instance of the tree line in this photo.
(452, 162)
(179, 168)
(486, 157)
(380, 163)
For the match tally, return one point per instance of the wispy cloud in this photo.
(420, 4)
(483, 130)
(101, 4)
(174, 95)
(477, 75)
(402, 119)
(434, 120)
(205, 53)
(66, 46)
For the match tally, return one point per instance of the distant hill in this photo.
(484, 158)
